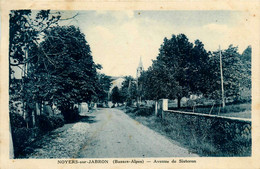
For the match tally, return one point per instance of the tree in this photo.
(246, 67)
(236, 72)
(25, 31)
(63, 71)
(116, 96)
(157, 82)
(129, 90)
(105, 83)
(178, 69)
(247, 54)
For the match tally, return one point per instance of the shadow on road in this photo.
(88, 119)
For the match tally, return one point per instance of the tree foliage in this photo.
(116, 96)
(105, 83)
(236, 73)
(178, 70)
(183, 68)
(129, 90)
(25, 31)
(246, 67)
(63, 71)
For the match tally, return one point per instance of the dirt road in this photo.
(113, 134)
(105, 133)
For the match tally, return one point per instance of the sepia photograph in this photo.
(105, 84)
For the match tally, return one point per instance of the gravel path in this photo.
(107, 133)
(63, 142)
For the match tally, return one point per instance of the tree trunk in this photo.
(40, 107)
(33, 118)
(179, 102)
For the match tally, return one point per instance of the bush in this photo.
(22, 137)
(71, 115)
(58, 121)
(147, 111)
(17, 120)
(48, 123)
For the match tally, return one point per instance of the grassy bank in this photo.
(187, 136)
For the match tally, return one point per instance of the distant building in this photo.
(116, 82)
(139, 69)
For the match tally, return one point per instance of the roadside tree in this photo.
(116, 96)
(63, 71)
(129, 90)
(179, 69)
(236, 73)
(105, 83)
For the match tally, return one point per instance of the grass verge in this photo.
(204, 143)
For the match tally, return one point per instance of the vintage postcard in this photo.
(130, 84)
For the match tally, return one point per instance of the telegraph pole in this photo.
(221, 76)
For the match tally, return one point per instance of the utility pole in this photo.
(221, 75)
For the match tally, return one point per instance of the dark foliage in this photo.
(141, 111)
(116, 96)
(22, 137)
(49, 123)
(104, 83)
(179, 70)
(129, 90)
(17, 121)
(183, 68)
(70, 115)
(145, 111)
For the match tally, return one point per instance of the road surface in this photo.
(106, 133)
(114, 134)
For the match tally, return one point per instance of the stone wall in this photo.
(231, 136)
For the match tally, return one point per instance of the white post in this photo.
(156, 108)
(222, 81)
(164, 106)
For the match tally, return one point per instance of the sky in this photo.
(119, 38)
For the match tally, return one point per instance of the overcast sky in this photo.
(119, 38)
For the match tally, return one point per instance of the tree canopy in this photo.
(129, 89)
(178, 70)
(105, 83)
(63, 71)
(116, 96)
(183, 68)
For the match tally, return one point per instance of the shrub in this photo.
(70, 115)
(58, 121)
(22, 137)
(48, 123)
(17, 120)
(147, 111)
